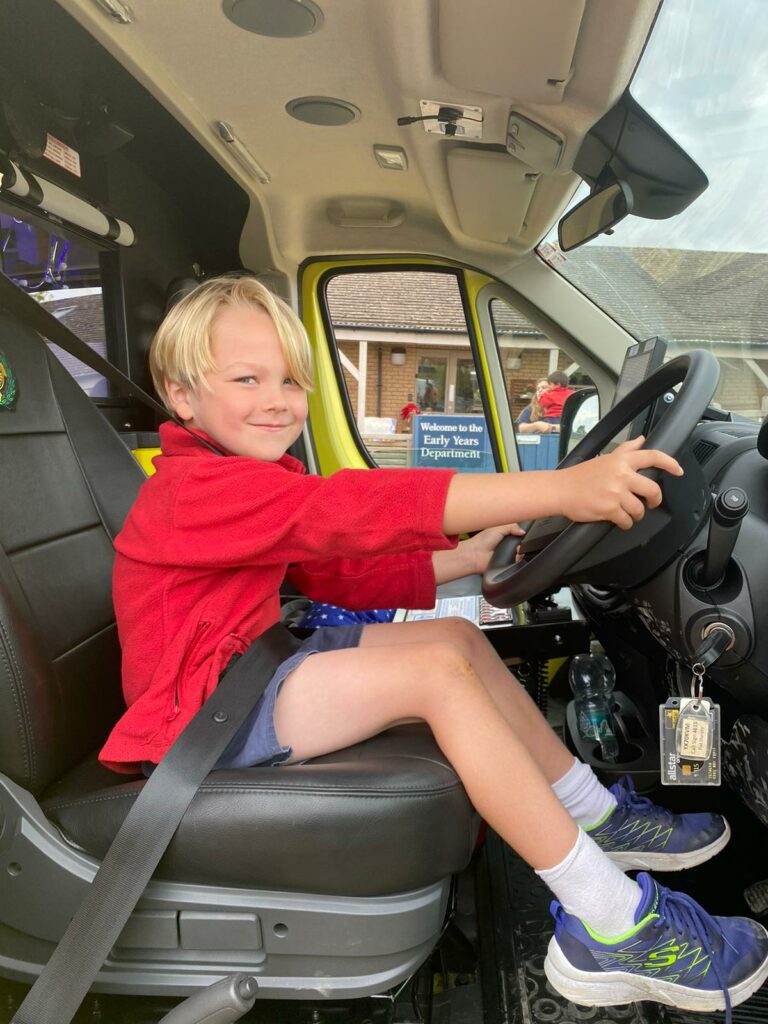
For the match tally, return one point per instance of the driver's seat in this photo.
(329, 878)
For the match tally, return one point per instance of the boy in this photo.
(198, 568)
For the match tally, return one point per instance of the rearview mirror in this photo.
(594, 215)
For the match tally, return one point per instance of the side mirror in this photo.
(581, 411)
(597, 213)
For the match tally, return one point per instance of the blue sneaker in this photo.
(676, 954)
(637, 834)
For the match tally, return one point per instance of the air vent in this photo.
(702, 451)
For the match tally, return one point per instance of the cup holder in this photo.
(638, 747)
(628, 754)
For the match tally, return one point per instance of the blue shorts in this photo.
(255, 742)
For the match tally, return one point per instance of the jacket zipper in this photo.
(200, 629)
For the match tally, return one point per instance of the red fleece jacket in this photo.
(552, 402)
(209, 541)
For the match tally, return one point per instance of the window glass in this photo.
(409, 371)
(538, 377)
(698, 279)
(62, 273)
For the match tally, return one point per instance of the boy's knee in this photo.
(460, 632)
(443, 676)
(444, 667)
(468, 637)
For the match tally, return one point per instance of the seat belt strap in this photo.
(146, 833)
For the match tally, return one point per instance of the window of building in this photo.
(63, 274)
(409, 369)
(533, 367)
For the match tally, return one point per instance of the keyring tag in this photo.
(690, 742)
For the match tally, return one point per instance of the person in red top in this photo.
(214, 533)
(409, 410)
(553, 399)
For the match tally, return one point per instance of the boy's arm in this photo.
(606, 488)
(471, 556)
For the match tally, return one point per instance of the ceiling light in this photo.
(322, 110)
(391, 158)
(117, 10)
(283, 19)
(240, 152)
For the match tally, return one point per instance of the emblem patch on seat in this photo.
(7, 383)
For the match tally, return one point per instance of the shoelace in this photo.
(627, 796)
(685, 914)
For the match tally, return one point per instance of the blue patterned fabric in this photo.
(320, 614)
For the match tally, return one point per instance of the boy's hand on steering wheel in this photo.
(481, 546)
(611, 487)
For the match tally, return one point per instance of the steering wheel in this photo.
(507, 582)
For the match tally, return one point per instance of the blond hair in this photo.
(537, 412)
(181, 348)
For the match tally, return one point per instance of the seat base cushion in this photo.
(385, 816)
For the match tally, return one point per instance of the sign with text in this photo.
(452, 442)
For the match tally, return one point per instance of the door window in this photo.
(408, 368)
(538, 377)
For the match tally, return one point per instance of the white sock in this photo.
(594, 889)
(583, 795)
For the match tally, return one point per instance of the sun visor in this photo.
(523, 49)
(478, 178)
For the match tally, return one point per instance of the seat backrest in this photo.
(67, 484)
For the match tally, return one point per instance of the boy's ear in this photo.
(178, 397)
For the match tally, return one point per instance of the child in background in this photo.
(554, 397)
(199, 565)
(409, 410)
(531, 419)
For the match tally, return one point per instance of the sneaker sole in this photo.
(640, 860)
(615, 988)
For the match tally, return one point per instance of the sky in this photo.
(704, 78)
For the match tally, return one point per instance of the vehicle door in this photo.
(421, 363)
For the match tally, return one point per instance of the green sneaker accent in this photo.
(607, 940)
(602, 821)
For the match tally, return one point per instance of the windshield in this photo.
(700, 280)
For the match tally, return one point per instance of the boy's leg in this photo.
(338, 698)
(633, 831)
(511, 698)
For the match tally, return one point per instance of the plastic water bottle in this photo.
(592, 678)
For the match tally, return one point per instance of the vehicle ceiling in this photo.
(560, 63)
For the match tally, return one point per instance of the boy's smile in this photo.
(251, 406)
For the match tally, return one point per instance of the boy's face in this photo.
(253, 407)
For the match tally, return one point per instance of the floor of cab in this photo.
(514, 905)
